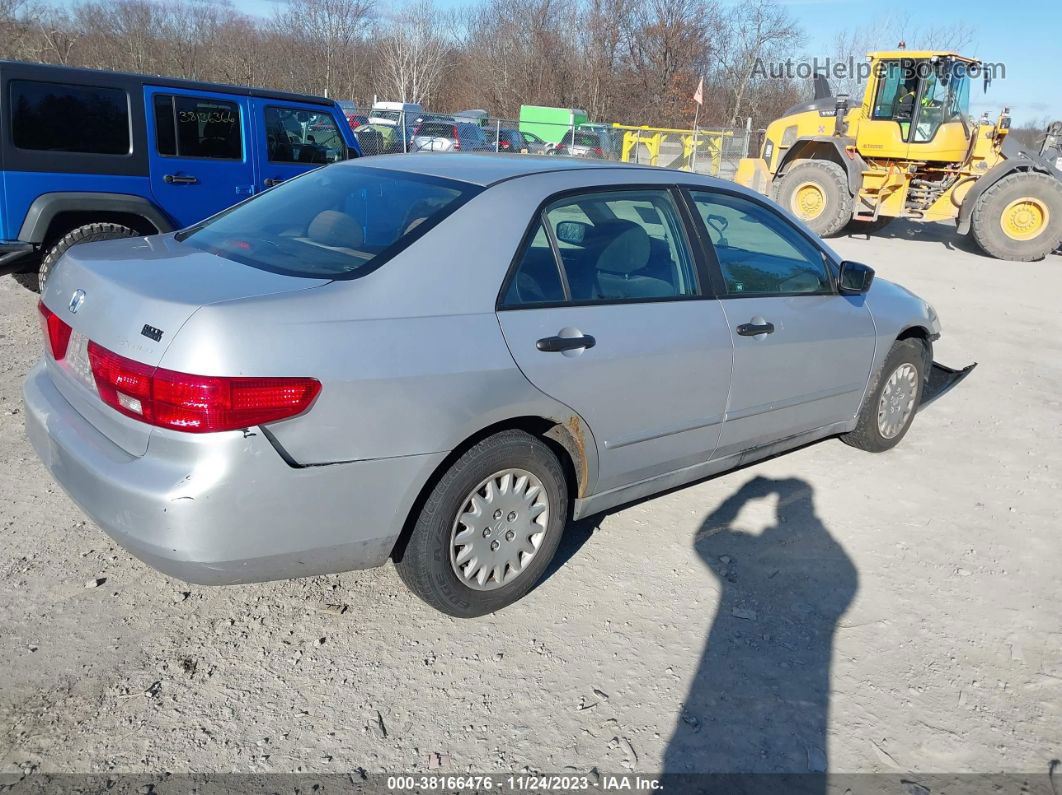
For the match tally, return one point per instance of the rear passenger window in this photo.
(198, 127)
(759, 252)
(622, 246)
(536, 280)
(68, 118)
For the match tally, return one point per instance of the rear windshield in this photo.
(338, 222)
(437, 129)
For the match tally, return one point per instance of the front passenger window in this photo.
(759, 251)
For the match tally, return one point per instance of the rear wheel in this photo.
(890, 408)
(489, 527)
(1020, 217)
(816, 192)
(89, 233)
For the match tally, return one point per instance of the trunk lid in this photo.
(132, 296)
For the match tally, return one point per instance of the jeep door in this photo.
(292, 139)
(199, 151)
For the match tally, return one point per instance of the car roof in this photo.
(488, 168)
(78, 75)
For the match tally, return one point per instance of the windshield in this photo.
(338, 222)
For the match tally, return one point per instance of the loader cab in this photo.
(917, 107)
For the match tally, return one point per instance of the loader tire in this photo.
(816, 192)
(89, 233)
(1020, 217)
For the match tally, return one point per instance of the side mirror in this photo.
(572, 232)
(855, 278)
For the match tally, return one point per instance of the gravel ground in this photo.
(897, 612)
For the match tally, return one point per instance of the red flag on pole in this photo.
(698, 95)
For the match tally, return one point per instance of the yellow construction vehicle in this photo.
(911, 150)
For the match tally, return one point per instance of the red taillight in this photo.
(55, 331)
(598, 152)
(504, 144)
(195, 403)
(457, 138)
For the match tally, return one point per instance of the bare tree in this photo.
(327, 31)
(756, 31)
(412, 52)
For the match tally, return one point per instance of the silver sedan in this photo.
(443, 359)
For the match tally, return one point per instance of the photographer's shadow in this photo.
(759, 701)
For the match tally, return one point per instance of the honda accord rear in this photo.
(182, 403)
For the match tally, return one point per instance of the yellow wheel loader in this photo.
(911, 150)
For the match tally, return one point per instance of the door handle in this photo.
(558, 344)
(179, 179)
(754, 329)
(270, 182)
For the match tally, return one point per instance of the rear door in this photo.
(199, 153)
(292, 139)
(802, 352)
(604, 312)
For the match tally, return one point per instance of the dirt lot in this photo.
(898, 612)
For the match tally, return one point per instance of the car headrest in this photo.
(628, 250)
(333, 228)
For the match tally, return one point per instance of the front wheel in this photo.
(1020, 217)
(489, 527)
(890, 408)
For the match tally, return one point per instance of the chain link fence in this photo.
(705, 149)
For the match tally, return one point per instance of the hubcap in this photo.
(1024, 219)
(499, 529)
(897, 400)
(809, 200)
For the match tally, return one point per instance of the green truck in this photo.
(550, 124)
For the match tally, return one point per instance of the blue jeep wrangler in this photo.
(90, 155)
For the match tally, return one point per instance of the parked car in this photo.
(587, 144)
(89, 155)
(534, 144)
(504, 140)
(449, 137)
(611, 139)
(356, 120)
(461, 403)
(395, 113)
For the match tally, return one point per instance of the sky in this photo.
(1024, 38)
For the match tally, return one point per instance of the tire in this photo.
(869, 434)
(425, 564)
(833, 210)
(1042, 196)
(89, 233)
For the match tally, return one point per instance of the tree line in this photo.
(631, 62)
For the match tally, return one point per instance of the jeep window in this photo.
(338, 222)
(57, 117)
(198, 127)
(301, 136)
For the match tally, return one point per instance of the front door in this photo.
(802, 352)
(292, 140)
(200, 153)
(605, 313)
(884, 130)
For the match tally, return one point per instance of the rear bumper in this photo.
(12, 254)
(942, 380)
(224, 508)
